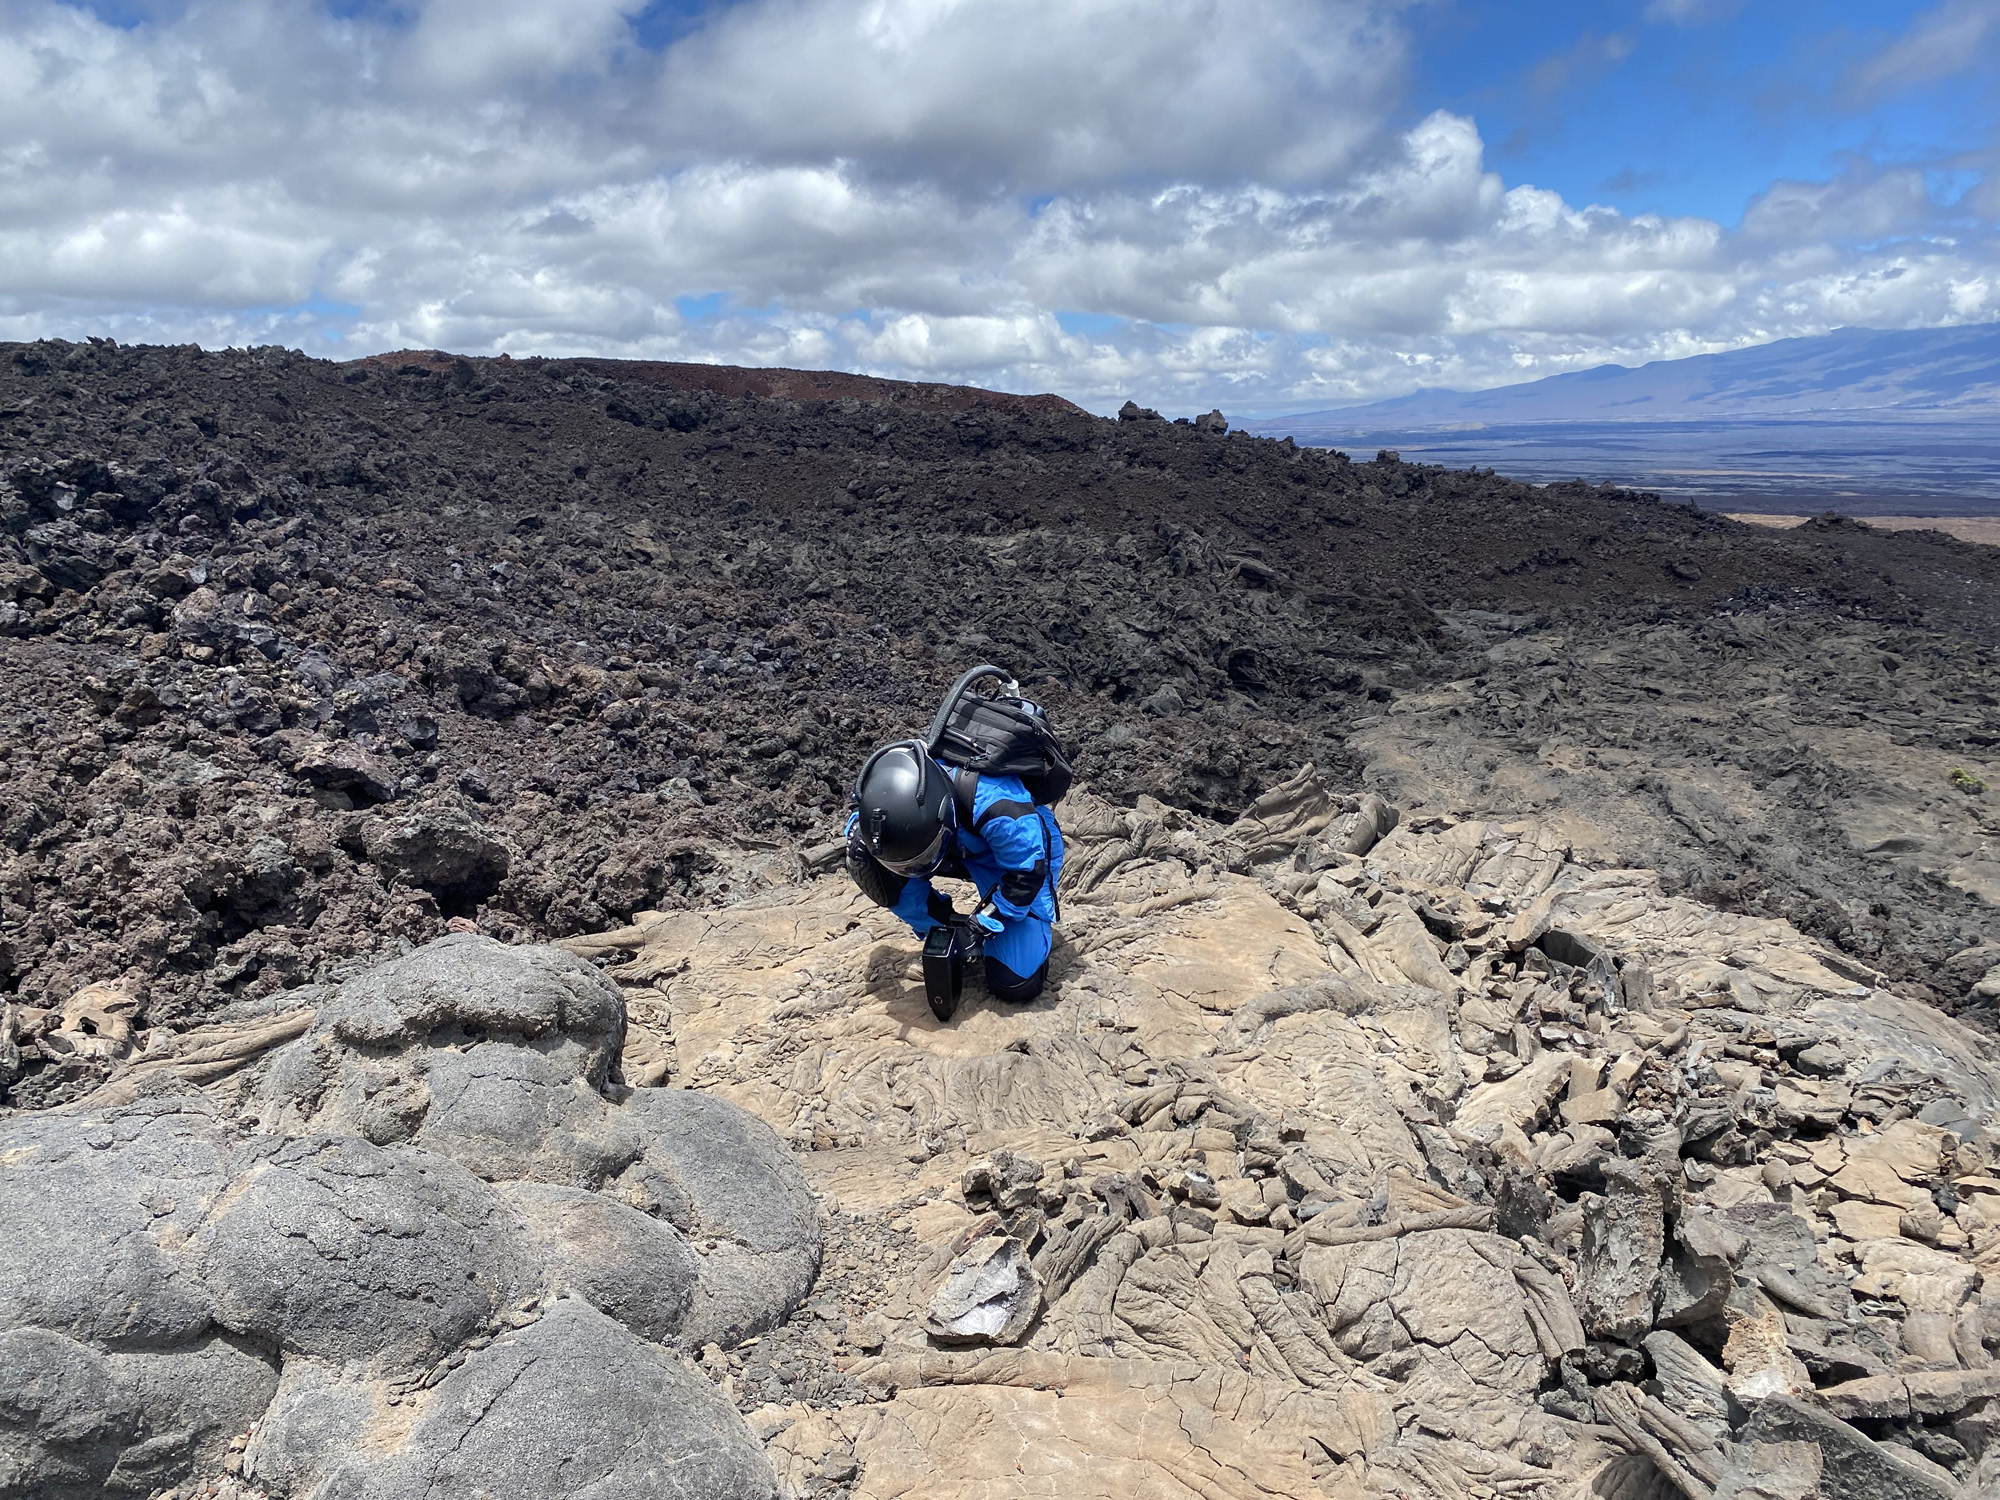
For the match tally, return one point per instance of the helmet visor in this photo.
(921, 863)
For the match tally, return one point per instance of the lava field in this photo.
(302, 663)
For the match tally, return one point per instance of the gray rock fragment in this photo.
(1624, 1235)
(1011, 1180)
(346, 768)
(1688, 1384)
(1366, 827)
(1779, 1253)
(1853, 1466)
(1695, 1277)
(442, 847)
(989, 1295)
(1772, 1471)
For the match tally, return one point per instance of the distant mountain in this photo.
(1950, 374)
(1860, 421)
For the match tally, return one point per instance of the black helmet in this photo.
(904, 803)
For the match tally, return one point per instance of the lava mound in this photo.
(425, 1245)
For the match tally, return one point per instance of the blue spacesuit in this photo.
(1013, 853)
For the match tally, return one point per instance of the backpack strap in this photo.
(965, 792)
(1049, 831)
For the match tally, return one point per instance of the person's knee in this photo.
(1002, 983)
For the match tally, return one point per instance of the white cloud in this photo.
(1042, 95)
(928, 188)
(1861, 205)
(468, 45)
(1948, 38)
(1691, 12)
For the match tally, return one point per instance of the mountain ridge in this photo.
(734, 382)
(1851, 372)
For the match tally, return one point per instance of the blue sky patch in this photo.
(664, 22)
(1091, 325)
(1614, 103)
(703, 309)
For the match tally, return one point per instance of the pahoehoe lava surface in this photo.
(301, 663)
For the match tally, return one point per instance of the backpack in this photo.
(1004, 735)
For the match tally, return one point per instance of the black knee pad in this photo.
(1002, 983)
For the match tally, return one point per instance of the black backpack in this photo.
(1004, 735)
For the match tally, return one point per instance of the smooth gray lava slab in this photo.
(77, 1422)
(573, 1405)
(342, 1256)
(747, 1208)
(525, 1113)
(636, 1268)
(91, 1210)
(337, 1249)
(466, 980)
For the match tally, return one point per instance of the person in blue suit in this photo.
(916, 820)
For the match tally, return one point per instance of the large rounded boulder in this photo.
(431, 1249)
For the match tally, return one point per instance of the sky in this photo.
(1262, 205)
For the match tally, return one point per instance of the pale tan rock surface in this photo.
(1427, 1164)
(1966, 528)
